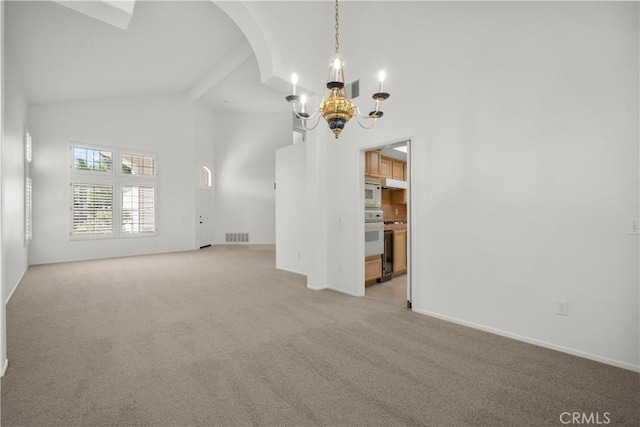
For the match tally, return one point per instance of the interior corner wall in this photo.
(14, 248)
(162, 125)
(245, 153)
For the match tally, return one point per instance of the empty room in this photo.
(279, 213)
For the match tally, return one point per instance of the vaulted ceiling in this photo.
(69, 51)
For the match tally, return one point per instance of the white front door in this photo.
(205, 218)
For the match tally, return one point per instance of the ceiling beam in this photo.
(117, 13)
(225, 66)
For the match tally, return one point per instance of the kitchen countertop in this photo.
(395, 226)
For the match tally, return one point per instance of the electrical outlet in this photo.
(563, 308)
(633, 226)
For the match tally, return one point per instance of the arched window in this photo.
(205, 177)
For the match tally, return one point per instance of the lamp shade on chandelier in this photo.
(336, 108)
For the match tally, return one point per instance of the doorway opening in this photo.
(387, 270)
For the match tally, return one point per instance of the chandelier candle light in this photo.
(335, 107)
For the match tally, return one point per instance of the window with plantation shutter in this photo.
(138, 209)
(28, 190)
(92, 209)
(113, 193)
(28, 209)
(137, 164)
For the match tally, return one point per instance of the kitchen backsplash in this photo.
(389, 210)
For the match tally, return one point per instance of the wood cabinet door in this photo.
(374, 170)
(367, 163)
(399, 250)
(397, 170)
(372, 268)
(386, 167)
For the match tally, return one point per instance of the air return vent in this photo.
(237, 238)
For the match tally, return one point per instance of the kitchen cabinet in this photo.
(397, 170)
(392, 168)
(372, 163)
(386, 167)
(399, 251)
(373, 268)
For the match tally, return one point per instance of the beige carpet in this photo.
(218, 337)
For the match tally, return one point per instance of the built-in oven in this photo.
(372, 194)
(373, 233)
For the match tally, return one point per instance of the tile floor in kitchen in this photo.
(392, 291)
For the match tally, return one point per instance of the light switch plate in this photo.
(633, 226)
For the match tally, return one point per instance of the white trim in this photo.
(343, 291)
(574, 352)
(111, 150)
(331, 288)
(289, 270)
(5, 367)
(16, 286)
(410, 218)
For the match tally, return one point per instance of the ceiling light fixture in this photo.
(336, 108)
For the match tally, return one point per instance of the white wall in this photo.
(15, 119)
(160, 125)
(524, 126)
(245, 173)
(3, 317)
(291, 203)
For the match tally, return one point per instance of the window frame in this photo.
(134, 183)
(117, 179)
(124, 152)
(95, 148)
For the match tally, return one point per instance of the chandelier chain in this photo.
(336, 108)
(337, 30)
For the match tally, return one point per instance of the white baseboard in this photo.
(331, 288)
(574, 352)
(290, 270)
(16, 286)
(315, 288)
(342, 291)
(5, 367)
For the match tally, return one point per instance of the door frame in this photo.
(410, 218)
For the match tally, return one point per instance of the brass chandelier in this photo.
(336, 108)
